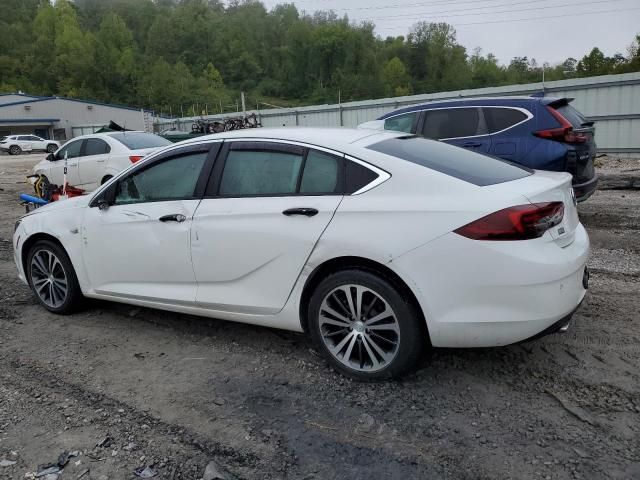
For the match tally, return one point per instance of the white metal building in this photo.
(612, 101)
(62, 118)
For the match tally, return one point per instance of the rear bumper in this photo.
(586, 189)
(485, 294)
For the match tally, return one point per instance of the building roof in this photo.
(36, 98)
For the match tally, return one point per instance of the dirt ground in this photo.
(175, 392)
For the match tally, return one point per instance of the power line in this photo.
(546, 17)
(412, 15)
(421, 4)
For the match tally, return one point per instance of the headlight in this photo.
(15, 227)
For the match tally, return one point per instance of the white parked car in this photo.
(16, 144)
(93, 159)
(376, 244)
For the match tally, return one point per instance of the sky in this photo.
(547, 30)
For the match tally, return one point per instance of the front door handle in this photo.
(176, 217)
(308, 212)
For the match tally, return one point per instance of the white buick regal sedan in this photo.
(376, 244)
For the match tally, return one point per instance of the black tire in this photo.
(106, 179)
(15, 150)
(73, 297)
(412, 337)
(52, 147)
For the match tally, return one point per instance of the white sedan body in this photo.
(237, 257)
(93, 159)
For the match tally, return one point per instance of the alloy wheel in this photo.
(48, 278)
(359, 328)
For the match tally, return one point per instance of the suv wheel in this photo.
(52, 278)
(52, 147)
(15, 150)
(364, 326)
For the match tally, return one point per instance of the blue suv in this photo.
(538, 132)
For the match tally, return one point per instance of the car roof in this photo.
(515, 101)
(325, 137)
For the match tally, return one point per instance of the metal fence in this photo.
(612, 101)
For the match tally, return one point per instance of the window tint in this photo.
(572, 115)
(172, 179)
(95, 146)
(453, 161)
(22, 138)
(321, 173)
(72, 150)
(451, 123)
(499, 119)
(138, 140)
(32, 138)
(401, 123)
(253, 172)
(357, 176)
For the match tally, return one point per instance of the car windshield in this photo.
(456, 162)
(139, 140)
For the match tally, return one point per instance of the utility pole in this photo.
(244, 106)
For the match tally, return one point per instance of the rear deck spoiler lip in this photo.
(557, 102)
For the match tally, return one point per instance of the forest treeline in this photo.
(176, 56)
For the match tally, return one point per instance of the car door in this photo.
(139, 246)
(71, 151)
(25, 143)
(265, 208)
(460, 126)
(38, 143)
(91, 165)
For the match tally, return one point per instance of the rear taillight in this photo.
(522, 222)
(135, 158)
(564, 133)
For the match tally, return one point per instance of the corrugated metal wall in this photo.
(612, 101)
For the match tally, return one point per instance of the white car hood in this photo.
(60, 205)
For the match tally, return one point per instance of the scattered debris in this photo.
(139, 356)
(134, 312)
(212, 472)
(64, 457)
(105, 442)
(219, 401)
(82, 473)
(574, 410)
(44, 470)
(6, 463)
(145, 472)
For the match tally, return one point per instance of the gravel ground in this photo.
(130, 388)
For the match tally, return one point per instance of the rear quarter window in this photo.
(456, 162)
(500, 118)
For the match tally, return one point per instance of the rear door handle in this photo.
(308, 212)
(471, 144)
(176, 217)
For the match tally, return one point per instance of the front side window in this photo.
(451, 123)
(172, 179)
(71, 150)
(401, 123)
(260, 172)
(96, 146)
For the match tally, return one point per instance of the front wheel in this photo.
(51, 148)
(364, 326)
(52, 278)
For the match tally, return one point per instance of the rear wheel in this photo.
(106, 179)
(52, 278)
(364, 326)
(15, 150)
(52, 147)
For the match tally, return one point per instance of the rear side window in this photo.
(95, 146)
(451, 123)
(456, 162)
(499, 119)
(139, 140)
(401, 123)
(268, 172)
(572, 115)
(321, 173)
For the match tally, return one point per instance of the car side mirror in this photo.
(51, 157)
(106, 198)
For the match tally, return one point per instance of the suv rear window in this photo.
(574, 116)
(456, 162)
(139, 140)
